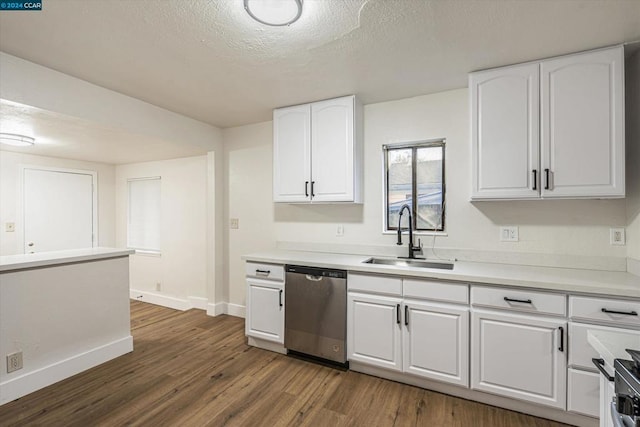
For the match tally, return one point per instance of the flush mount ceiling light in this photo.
(17, 140)
(276, 13)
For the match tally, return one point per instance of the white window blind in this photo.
(143, 224)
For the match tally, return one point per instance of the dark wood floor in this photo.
(188, 369)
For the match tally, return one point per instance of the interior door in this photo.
(58, 210)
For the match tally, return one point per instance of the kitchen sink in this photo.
(399, 262)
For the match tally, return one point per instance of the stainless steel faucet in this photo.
(412, 249)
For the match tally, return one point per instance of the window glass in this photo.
(415, 176)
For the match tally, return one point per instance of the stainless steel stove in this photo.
(625, 410)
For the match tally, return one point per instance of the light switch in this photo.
(509, 234)
(234, 223)
(9, 227)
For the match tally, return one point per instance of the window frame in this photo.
(414, 145)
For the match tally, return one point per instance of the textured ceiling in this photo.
(208, 60)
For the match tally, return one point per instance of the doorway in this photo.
(59, 209)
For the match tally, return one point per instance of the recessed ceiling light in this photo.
(16, 140)
(276, 13)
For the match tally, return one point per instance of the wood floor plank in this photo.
(190, 369)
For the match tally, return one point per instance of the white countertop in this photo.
(23, 261)
(612, 345)
(605, 283)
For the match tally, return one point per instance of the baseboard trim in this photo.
(235, 310)
(479, 396)
(169, 301)
(266, 345)
(35, 380)
(198, 302)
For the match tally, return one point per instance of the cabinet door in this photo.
(292, 154)
(519, 357)
(583, 392)
(265, 310)
(436, 342)
(332, 145)
(505, 133)
(582, 114)
(374, 333)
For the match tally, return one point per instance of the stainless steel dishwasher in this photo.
(315, 317)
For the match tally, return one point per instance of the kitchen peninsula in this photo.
(61, 313)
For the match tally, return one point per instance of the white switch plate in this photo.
(234, 223)
(509, 234)
(340, 231)
(617, 236)
(10, 227)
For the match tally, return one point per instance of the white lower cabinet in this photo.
(519, 356)
(265, 310)
(583, 392)
(423, 338)
(436, 342)
(373, 330)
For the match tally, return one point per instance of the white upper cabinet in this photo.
(292, 154)
(549, 129)
(318, 152)
(505, 132)
(582, 117)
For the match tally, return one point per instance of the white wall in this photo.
(249, 197)
(181, 269)
(64, 319)
(10, 198)
(552, 232)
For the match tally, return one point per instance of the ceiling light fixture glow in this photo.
(276, 13)
(16, 140)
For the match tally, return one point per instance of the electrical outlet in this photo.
(158, 286)
(617, 236)
(10, 227)
(234, 223)
(340, 231)
(14, 361)
(509, 234)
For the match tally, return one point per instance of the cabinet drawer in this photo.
(519, 300)
(376, 284)
(438, 291)
(265, 271)
(605, 310)
(583, 394)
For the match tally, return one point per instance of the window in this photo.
(414, 175)
(143, 222)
